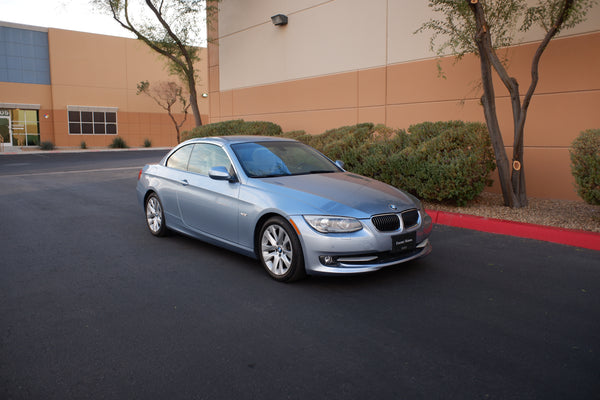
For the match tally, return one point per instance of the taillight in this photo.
(140, 174)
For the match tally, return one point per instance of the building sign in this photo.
(4, 113)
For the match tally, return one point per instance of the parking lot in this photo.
(93, 306)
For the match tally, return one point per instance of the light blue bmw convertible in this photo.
(284, 203)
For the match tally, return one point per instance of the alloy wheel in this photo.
(277, 250)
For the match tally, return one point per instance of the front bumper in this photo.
(381, 261)
(359, 252)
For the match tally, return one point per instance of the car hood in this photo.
(341, 193)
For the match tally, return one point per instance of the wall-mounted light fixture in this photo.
(205, 95)
(279, 19)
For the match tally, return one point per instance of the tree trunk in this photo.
(193, 93)
(512, 178)
(518, 170)
(195, 109)
(485, 49)
(176, 126)
(489, 108)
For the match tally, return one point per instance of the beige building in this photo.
(342, 62)
(70, 87)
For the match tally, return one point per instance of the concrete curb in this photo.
(570, 237)
(14, 152)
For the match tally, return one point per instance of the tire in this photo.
(155, 216)
(279, 250)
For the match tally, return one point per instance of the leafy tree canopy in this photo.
(481, 27)
(455, 28)
(172, 28)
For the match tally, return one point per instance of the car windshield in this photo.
(269, 159)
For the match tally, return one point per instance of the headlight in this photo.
(329, 224)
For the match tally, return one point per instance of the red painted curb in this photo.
(571, 237)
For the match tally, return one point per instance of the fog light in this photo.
(328, 260)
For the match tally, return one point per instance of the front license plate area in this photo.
(404, 242)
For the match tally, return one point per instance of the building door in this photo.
(5, 129)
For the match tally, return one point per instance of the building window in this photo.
(19, 127)
(92, 120)
(24, 56)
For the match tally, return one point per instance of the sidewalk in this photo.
(15, 150)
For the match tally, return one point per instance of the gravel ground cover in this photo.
(558, 213)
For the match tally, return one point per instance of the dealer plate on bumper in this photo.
(404, 242)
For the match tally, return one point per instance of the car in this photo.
(284, 203)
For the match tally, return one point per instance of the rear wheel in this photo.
(280, 250)
(155, 216)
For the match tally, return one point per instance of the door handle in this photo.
(185, 182)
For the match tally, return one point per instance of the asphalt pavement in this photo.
(92, 306)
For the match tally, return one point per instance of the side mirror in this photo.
(221, 174)
(339, 163)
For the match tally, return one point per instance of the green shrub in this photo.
(147, 143)
(295, 134)
(426, 131)
(364, 148)
(261, 128)
(83, 145)
(234, 127)
(440, 161)
(225, 128)
(118, 143)
(585, 165)
(445, 161)
(47, 146)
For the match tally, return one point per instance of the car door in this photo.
(207, 205)
(172, 177)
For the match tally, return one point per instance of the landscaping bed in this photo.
(567, 214)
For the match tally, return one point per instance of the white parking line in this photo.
(72, 172)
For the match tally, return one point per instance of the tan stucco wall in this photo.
(103, 71)
(25, 94)
(271, 79)
(328, 37)
(31, 94)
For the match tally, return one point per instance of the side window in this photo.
(179, 159)
(206, 156)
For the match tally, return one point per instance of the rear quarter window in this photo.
(180, 159)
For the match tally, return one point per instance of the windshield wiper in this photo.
(271, 175)
(324, 171)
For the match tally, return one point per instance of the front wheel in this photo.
(280, 250)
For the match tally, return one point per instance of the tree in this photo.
(166, 95)
(483, 26)
(169, 27)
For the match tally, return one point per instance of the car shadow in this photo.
(389, 275)
(249, 269)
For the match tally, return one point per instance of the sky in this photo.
(75, 15)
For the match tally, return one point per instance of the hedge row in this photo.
(585, 165)
(441, 161)
(234, 127)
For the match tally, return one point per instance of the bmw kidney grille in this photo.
(391, 222)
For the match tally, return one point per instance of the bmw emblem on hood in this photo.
(393, 207)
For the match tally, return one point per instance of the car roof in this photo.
(241, 139)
